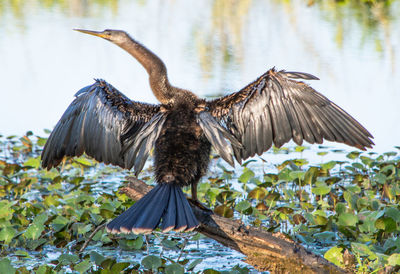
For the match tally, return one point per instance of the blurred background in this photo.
(210, 47)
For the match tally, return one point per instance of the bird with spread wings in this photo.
(111, 128)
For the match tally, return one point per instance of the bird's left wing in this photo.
(275, 109)
(106, 125)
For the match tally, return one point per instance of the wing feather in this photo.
(275, 109)
(103, 123)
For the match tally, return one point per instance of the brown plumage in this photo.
(111, 128)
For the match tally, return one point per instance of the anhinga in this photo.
(106, 125)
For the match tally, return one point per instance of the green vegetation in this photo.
(348, 211)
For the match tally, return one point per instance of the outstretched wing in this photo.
(275, 109)
(104, 123)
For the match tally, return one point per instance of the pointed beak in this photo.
(95, 33)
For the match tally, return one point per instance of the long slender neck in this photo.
(156, 69)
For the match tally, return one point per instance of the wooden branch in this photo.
(265, 251)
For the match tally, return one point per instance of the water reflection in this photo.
(21, 9)
(210, 47)
(373, 19)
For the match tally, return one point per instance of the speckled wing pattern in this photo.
(104, 123)
(275, 109)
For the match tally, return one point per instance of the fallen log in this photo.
(263, 250)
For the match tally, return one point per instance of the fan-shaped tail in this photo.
(164, 205)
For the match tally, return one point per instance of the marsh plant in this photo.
(346, 210)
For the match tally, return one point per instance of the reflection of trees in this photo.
(374, 18)
(222, 42)
(20, 8)
(219, 38)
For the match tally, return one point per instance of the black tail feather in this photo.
(168, 222)
(180, 217)
(191, 220)
(150, 217)
(165, 203)
(123, 221)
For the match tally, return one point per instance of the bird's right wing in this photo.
(275, 109)
(106, 125)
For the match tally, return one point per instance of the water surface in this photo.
(209, 47)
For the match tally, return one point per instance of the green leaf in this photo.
(386, 224)
(243, 205)
(258, 193)
(369, 221)
(196, 237)
(67, 259)
(388, 170)
(44, 269)
(82, 228)
(297, 174)
(34, 244)
(380, 178)
(6, 212)
(32, 162)
(41, 141)
(83, 161)
(246, 175)
(353, 155)
(329, 165)
(83, 266)
(118, 267)
(59, 223)
(351, 199)
(367, 161)
(7, 234)
(193, 264)
(212, 194)
(96, 258)
(392, 212)
(358, 166)
(348, 219)
(325, 236)
(151, 262)
(40, 219)
(321, 188)
(363, 250)
(299, 148)
(169, 244)
(21, 253)
(335, 256)
(210, 271)
(6, 267)
(340, 208)
(108, 263)
(240, 270)
(34, 231)
(353, 188)
(311, 175)
(224, 211)
(138, 242)
(320, 220)
(174, 269)
(394, 259)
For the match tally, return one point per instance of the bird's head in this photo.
(115, 36)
